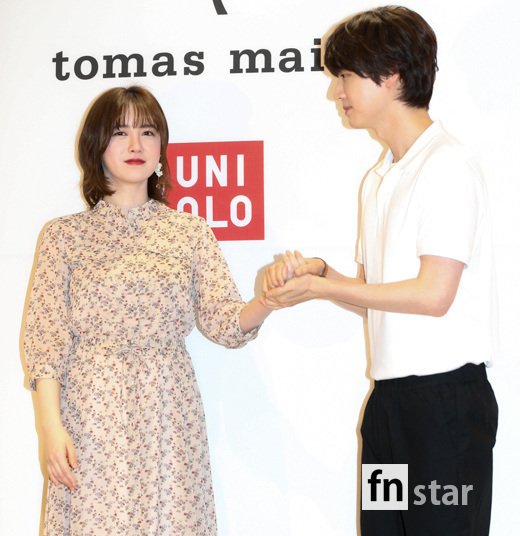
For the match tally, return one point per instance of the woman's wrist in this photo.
(49, 424)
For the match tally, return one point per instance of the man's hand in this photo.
(292, 264)
(295, 290)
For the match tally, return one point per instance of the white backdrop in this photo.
(283, 412)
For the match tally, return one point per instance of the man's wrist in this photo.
(317, 287)
(325, 269)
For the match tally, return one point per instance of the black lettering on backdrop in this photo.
(79, 71)
(124, 62)
(252, 56)
(318, 66)
(192, 65)
(290, 60)
(219, 7)
(165, 67)
(295, 60)
(126, 66)
(263, 60)
(59, 59)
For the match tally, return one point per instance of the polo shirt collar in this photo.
(387, 162)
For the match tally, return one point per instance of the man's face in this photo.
(365, 103)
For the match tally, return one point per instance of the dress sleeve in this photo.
(47, 333)
(218, 301)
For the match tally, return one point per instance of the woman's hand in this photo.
(276, 274)
(292, 264)
(60, 456)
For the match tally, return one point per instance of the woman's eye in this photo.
(149, 132)
(118, 132)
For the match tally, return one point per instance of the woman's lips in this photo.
(135, 162)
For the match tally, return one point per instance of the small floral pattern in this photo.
(113, 298)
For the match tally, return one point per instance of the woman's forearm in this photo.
(252, 315)
(48, 402)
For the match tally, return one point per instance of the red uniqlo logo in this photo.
(223, 182)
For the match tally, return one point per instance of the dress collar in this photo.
(142, 212)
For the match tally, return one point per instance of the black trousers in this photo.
(444, 427)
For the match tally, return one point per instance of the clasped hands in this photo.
(291, 280)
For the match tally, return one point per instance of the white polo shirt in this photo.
(432, 202)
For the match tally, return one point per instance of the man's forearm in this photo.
(401, 297)
(431, 293)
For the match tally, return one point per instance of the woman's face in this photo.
(132, 153)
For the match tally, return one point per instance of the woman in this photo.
(116, 290)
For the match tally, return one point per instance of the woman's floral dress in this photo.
(112, 301)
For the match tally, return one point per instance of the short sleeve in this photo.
(218, 301)
(452, 204)
(47, 333)
(359, 248)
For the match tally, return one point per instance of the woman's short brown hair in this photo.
(108, 112)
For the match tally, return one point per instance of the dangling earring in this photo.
(159, 185)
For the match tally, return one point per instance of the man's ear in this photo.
(393, 81)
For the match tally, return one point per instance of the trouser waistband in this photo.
(467, 373)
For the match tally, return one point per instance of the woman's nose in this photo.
(134, 141)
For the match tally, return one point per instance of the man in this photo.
(425, 280)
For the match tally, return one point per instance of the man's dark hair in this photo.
(383, 41)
